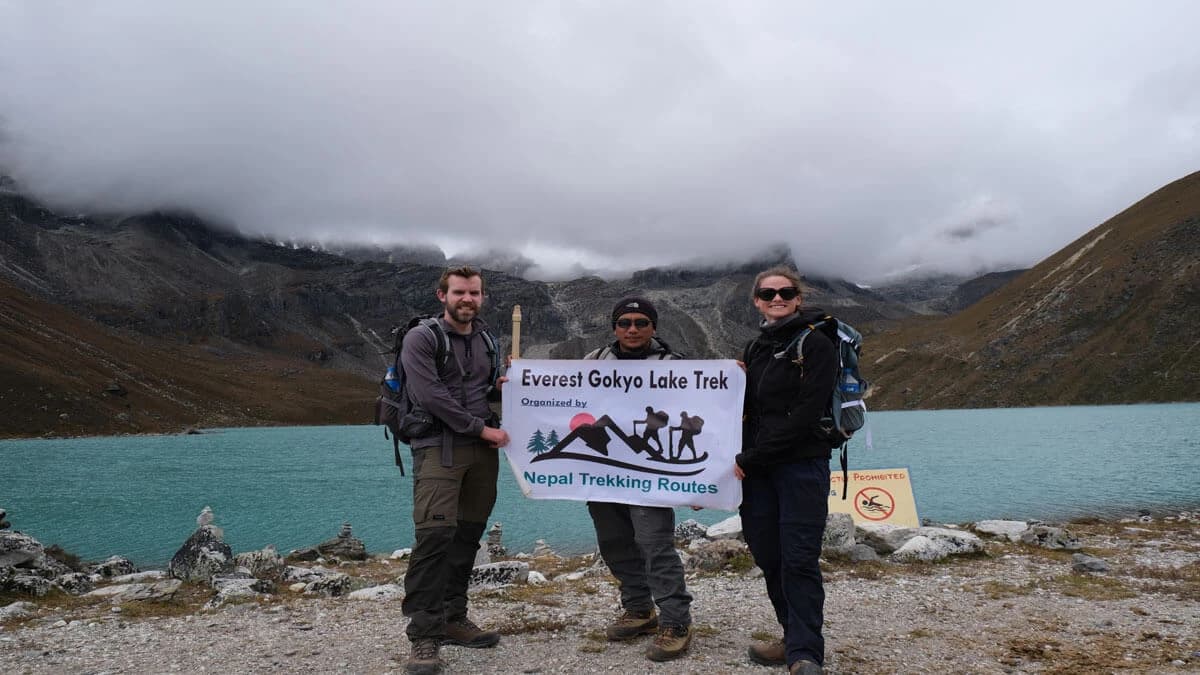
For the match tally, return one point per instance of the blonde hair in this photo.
(778, 271)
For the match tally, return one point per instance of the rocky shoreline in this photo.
(989, 597)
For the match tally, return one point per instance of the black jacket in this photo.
(784, 401)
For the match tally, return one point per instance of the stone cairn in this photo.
(495, 547)
(204, 555)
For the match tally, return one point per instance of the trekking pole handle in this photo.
(516, 332)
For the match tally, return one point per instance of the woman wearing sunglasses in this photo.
(784, 468)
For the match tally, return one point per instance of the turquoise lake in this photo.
(293, 487)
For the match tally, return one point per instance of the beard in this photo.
(463, 312)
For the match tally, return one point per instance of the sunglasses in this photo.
(786, 293)
(626, 323)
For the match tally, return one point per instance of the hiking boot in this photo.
(423, 658)
(805, 667)
(631, 625)
(768, 653)
(670, 643)
(465, 633)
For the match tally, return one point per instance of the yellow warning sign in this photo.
(875, 496)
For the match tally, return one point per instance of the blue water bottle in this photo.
(392, 379)
(850, 384)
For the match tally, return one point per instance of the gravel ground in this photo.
(1017, 609)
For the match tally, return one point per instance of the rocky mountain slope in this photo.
(1114, 317)
(251, 331)
(205, 295)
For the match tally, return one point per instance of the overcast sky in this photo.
(870, 136)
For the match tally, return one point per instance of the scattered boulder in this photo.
(303, 574)
(159, 591)
(344, 546)
(1087, 564)
(304, 555)
(882, 537)
(937, 543)
(730, 528)
(715, 555)
(1050, 537)
(17, 610)
(1001, 529)
(75, 583)
(52, 568)
(334, 585)
(202, 556)
(114, 388)
(23, 582)
(317, 580)
(113, 567)
(839, 534)
(234, 586)
(20, 550)
(863, 553)
(264, 564)
(499, 574)
(379, 593)
(401, 553)
(690, 530)
(138, 577)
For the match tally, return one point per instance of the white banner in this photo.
(654, 433)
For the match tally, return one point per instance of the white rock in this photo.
(1008, 529)
(139, 576)
(401, 553)
(17, 610)
(297, 587)
(730, 528)
(380, 593)
(535, 578)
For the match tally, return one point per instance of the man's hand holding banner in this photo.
(653, 433)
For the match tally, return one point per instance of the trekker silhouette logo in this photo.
(596, 440)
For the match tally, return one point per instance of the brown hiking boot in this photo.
(423, 658)
(631, 625)
(465, 633)
(670, 643)
(768, 653)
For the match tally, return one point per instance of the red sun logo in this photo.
(580, 419)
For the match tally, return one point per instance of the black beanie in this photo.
(632, 305)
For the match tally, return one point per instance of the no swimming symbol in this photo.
(874, 503)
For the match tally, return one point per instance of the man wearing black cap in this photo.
(638, 542)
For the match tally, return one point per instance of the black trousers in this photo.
(783, 519)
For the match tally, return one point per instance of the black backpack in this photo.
(393, 407)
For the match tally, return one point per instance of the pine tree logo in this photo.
(552, 439)
(538, 444)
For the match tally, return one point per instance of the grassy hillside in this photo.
(1112, 318)
(64, 375)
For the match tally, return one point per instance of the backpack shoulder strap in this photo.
(493, 352)
(598, 354)
(440, 339)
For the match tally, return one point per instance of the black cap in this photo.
(632, 305)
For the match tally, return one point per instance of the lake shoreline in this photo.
(1010, 608)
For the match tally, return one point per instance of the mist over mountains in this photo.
(156, 320)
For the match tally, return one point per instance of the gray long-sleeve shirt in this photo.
(459, 400)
